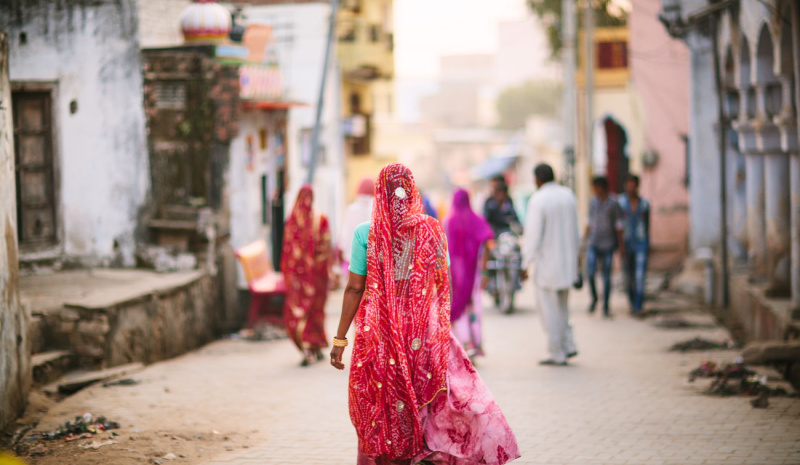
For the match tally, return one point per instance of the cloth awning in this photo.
(269, 105)
(493, 166)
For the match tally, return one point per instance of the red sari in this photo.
(305, 263)
(413, 393)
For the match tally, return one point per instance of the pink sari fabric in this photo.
(410, 381)
(468, 327)
(465, 427)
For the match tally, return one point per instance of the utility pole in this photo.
(312, 165)
(588, 33)
(570, 108)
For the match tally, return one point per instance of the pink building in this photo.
(660, 75)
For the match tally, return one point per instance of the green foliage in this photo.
(607, 13)
(516, 104)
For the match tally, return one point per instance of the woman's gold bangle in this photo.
(339, 342)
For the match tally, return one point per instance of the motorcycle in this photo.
(504, 266)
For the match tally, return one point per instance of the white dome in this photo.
(205, 21)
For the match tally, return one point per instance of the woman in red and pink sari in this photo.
(305, 265)
(467, 236)
(413, 393)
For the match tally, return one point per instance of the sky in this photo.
(427, 29)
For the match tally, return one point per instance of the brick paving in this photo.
(624, 400)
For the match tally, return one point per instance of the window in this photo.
(35, 176)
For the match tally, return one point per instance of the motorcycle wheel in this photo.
(506, 295)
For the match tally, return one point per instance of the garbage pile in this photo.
(737, 379)
(82, 427)
(699, 344)
(710, 369)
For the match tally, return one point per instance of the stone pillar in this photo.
(794, 168)
(756, 226)
(777, 211)
(15, 352)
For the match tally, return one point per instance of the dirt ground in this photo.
(153, 421)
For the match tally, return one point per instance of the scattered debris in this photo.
(710, 369)
(82, 427)
(762, 401)
(700, 344)
(123, 382)
(96, 445)
(262, 332)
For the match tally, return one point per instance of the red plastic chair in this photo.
(267, 286)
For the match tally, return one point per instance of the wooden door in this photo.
(33, 143)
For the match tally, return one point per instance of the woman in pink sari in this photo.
(467, 235)
(305, 265)
(413, 393)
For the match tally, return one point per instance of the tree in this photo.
(516, 104)
(607, 13)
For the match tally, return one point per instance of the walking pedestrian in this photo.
(604, 237)
(636, 218)
(413, 393)
(552, 242)
(356, 213)
(306, 266)
(469, 238)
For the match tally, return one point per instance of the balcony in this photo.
(365, 51)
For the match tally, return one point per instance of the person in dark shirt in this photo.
(499, 208)
(604, 238)
(636, 220)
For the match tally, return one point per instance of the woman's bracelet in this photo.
(339, 342)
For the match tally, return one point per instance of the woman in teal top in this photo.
(358, 254)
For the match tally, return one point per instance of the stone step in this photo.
(75, 381)
(51, 366)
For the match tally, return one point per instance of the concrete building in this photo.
(15, 355)
(365, 51)
(300, 31)
(618, 126)
(77, 84)
(754, 47)
(659, 68)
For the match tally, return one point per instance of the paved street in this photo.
(625, 400)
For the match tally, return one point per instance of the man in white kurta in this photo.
(551, 243)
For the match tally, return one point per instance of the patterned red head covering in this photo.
(403, 325)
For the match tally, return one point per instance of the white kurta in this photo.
(552, 243)
(552, 238)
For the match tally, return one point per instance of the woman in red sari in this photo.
(413, 393)
(305, 265)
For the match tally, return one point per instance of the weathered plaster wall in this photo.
(159, 24)
(660, 74)
(704, 163)
(249, 162)
(90, 51)
(15, 369)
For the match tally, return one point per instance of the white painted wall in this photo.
(300, 32)
(91, 53)
(245, 182)
(704, 172)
